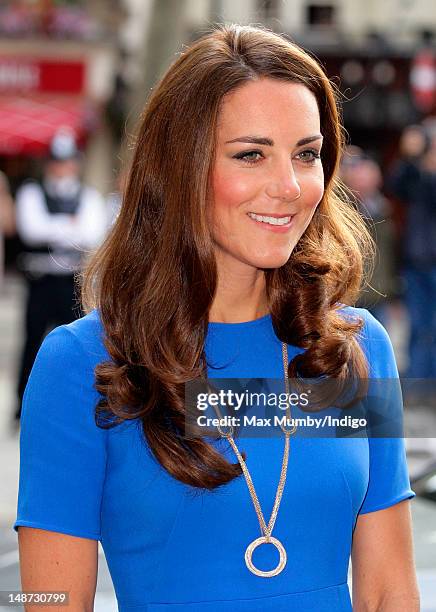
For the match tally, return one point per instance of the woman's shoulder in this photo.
(375, 342)
(372, 328)
(87, 325)
(82, 339)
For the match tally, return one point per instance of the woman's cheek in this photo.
(316, 191)
(232, 186)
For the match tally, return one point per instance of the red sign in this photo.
(423, 80)
(28, 123)
(44, 75)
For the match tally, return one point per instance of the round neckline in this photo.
(241, 324)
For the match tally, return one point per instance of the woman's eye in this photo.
(309, 156)
(247, 156)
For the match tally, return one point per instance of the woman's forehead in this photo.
(269, 104)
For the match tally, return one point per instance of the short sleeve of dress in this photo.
(62, 451)
(389, 481)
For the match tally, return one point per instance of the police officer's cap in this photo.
(63, 146)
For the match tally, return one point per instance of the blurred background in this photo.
(73, 79)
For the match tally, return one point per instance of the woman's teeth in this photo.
(270, 220)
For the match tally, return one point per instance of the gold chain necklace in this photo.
(266, 530)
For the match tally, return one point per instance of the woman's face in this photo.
(267, 177)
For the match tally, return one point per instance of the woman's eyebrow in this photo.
(253, 140)
(309, 139)
(268, 141)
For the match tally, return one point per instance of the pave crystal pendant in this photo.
(258, 542)
(267, 538)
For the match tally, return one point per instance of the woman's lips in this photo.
(269, 226)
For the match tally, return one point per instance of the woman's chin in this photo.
(272, 261)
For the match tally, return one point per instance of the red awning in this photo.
(27, 124)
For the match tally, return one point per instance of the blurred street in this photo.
(424, 511)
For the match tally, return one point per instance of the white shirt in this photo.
(36, 225)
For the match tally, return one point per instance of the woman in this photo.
(232, 248)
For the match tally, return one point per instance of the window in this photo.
(321, 14)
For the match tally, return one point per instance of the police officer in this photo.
(58, 219)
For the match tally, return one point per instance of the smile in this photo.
(270, 220)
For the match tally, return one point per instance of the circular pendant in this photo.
(264, 540)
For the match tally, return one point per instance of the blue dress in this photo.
(171, 547)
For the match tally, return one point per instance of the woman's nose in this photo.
(284, 183)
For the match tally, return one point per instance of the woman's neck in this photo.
(240, 296)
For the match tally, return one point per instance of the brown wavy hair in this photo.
(154, 278)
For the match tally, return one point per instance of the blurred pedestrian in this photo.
(58, 220)
(413, 182)
(7, 219)
(363, 176)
